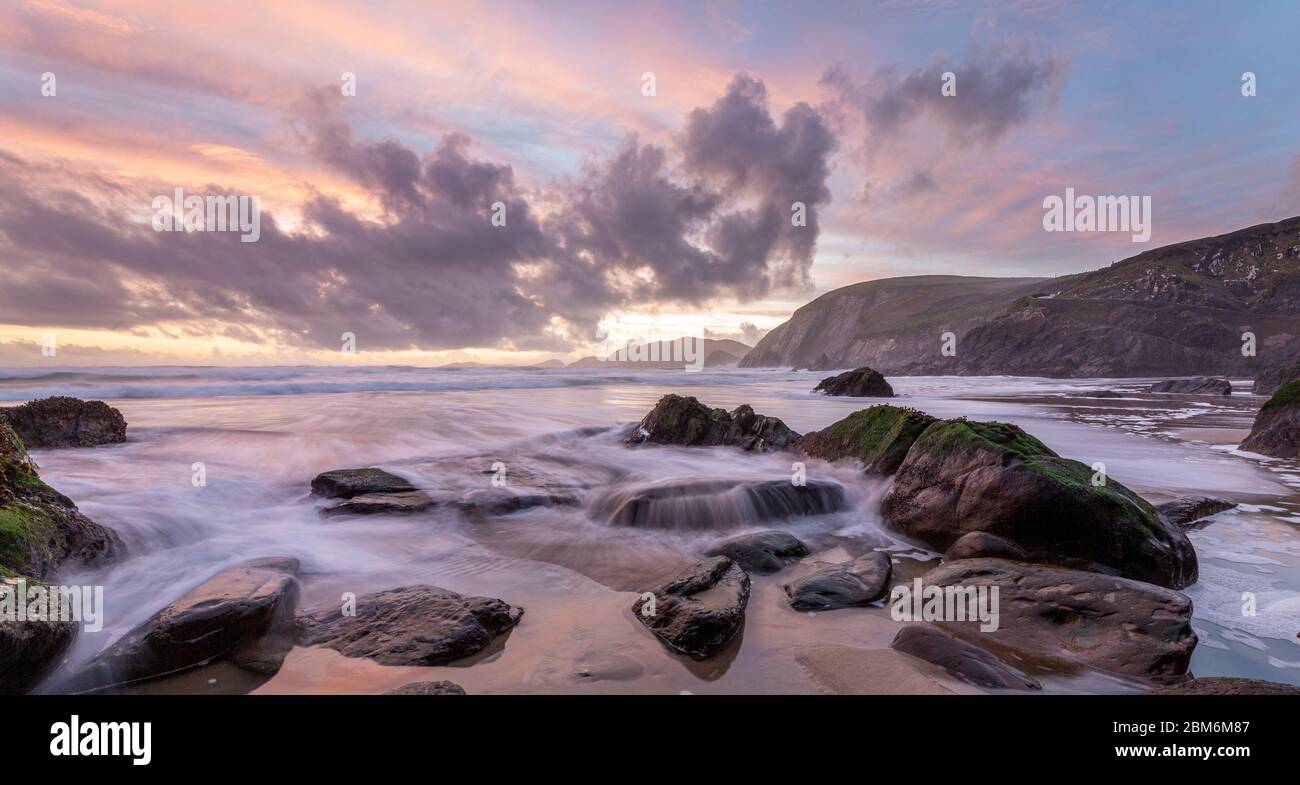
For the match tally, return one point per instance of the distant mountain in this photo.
(717, 352)
(1177, 310)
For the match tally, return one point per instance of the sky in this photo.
(511, 182)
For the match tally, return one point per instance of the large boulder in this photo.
(761, 552)
(66, 422)
(715, 504)
(961, 476)
(1271, 379)
(41, 529)
(1277, 426)
(347, 483)
(1190, 509)
(964, 660)
(1067, 618)
(879, 437)
(411, 625)
(29, 649)
(1226, 685)
(683, 420)
(242, 614)
(855, 583)
(1201, 385)
(858, 383)
(699, 611)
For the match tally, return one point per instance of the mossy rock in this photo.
(1276, 431)
(1287, 395)
(962, 476)
(879, 437)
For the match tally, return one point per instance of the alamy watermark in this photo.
(689, 351)
(1086, 213)
(181, 213)
(20, 601)
(945, 603)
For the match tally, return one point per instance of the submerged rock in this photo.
(503, 501)
(683, 420)
(1226, 685)
(428, 688)
(699, 611)
(859, 383)
(1201, 385)
(243, 614)
(974, 545)
(29, 649)
(715, 504)
(762, 552)
(1190, 509)
(879, 437)
(411, 625)
(347, 483)
(382, 504)
(1066, 618)
(66, 422)
(863, 581)
(1276, 431)
(964, 476)
(966, 661)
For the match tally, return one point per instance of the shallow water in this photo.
(261, 434)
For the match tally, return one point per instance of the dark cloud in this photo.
(707, 217)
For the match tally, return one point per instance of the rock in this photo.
(859, 383)
(382, 504)
(41, 530)
(411, 625)
(66, 422)
(852, 584)
(700, 610)
(824, 363)
(1277, 426)
(683, 420)
(879, 437)
(1190, 509)
(29, 649)
(1272, 378)
(974, 545)
(347, 483)
(695, 505)
(503, 501)
(1201, 385)
(762, 552)
(243, 614)
(1226, 685)
(428, 688)
(966, 661)
(964, 476)
(1062, 617)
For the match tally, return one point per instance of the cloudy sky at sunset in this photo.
(670, 210)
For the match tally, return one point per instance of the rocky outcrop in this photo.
(428, 688)
(29, 649)
(347, 483)
(1271, 379)
(1201, 385)
(1190, 509)
(879, 437)
(962, 476)
(243, 614)
(860, 383)
(856, 583)
(66, 422)
(1067, 618)
(1226, 685)
(699, 611)
(761, 552)
(683, 420)
(1277, 426)
(966, 661)
(412, 625)
(696, 505)
(977, 545)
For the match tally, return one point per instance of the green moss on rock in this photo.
(879, 437)
(1287, 395)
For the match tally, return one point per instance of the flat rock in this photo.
(504, 501)
(858, 383)
(1066, 618)
(761, 552)
(1201, 385)
(1226, 685)
(699, 611)
(243, 614)
(347, 483)
(428, 688)
(863, 581)
(66, 422)
(1190, 509)
(966, 661)
(411, 625)
(975, 545)
(382, 504)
